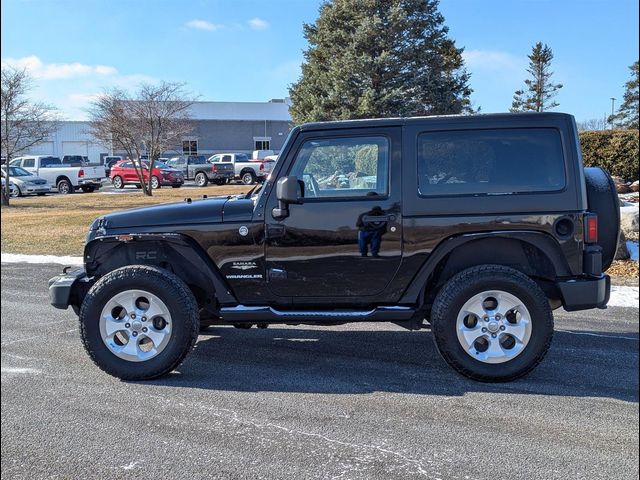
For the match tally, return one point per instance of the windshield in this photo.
(18, 172)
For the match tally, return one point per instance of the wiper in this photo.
(255, 190)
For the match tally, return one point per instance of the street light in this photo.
(613, 101)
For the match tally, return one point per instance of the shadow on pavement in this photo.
(593, 364)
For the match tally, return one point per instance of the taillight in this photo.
(80, 173)
(262, 167)
(591, 228)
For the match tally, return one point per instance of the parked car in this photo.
(12, 188)
(197, 168)
(65, 178)
(478, 226)
(109, 162)
(124, 173)
(247, 170)
(26, 183)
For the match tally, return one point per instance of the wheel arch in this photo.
(535, 254)
(174, 252)
(59, 178)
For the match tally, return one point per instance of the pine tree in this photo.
(539, 91)
(627, 116)
(379, 58)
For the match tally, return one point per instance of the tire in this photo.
(248, 178)
(117, 182)
(88, 189)
(182, 313)
(155, 183)
(201, 179)
(64, 187)
(602, 199)
(451, 328)
(16, 192)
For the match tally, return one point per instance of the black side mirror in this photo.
(289, 190)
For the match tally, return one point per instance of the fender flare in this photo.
(542, 241)
(185, 256)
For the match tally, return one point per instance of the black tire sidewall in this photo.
(121, 185)
(459, 290)
(184, 322)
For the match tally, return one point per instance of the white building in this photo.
(217, 127)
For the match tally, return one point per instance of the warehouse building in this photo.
(217, 127)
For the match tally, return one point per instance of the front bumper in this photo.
(66, 289)
(166, 181)
(31, 189)
(585, 293)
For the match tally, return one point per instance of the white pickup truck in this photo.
(64, 178)
(248, 170)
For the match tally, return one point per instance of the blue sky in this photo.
(251, 50)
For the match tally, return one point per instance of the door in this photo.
(345, 240)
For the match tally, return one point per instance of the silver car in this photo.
(12, 188)
(26, 183)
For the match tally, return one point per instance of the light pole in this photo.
(613, 101)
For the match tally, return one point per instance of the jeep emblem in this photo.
(244, 231)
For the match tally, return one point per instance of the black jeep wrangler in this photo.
(475, 226)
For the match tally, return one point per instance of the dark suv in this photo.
(477, 226)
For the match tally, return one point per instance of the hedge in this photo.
(614, 150)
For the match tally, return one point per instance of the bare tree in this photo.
(24, 123)
(592, 124)
(151, 121)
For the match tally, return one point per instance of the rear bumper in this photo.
(585, 293)
(64, 289)
(220, 175)
(90, 182)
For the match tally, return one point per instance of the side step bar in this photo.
(242, 313)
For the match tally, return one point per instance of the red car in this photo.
(124, 173)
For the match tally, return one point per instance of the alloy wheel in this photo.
(494, 326)
(135, 325)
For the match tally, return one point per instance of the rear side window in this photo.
(48, 161)
(500, 161)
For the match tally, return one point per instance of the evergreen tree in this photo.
(539, 91)
(379, 58)
(627, 116)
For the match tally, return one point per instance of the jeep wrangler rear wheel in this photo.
(492, 323)
(139, 322)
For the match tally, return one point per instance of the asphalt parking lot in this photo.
(352, 402)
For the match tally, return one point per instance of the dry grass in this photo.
(57, 224)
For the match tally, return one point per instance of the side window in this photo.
(500, 161)
(344, 167)
(29, 162)
(214, 158)
(226, 158)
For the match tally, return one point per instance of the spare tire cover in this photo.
(603, 200)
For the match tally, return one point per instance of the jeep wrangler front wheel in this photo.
(139, 322)
(492, 323)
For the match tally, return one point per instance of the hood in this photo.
(188, 212)
(169, 214)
